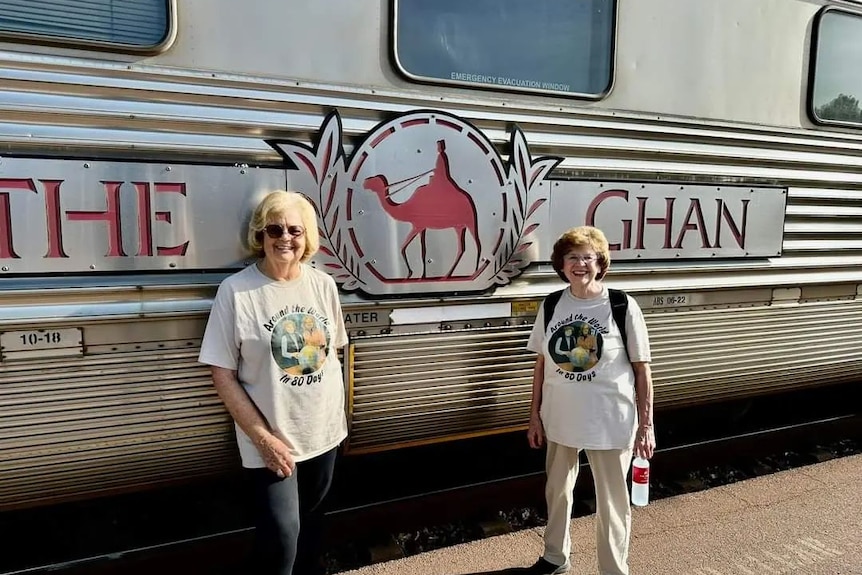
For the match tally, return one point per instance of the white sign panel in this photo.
(667, 221)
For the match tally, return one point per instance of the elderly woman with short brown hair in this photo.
(287, 403)
(598, 400)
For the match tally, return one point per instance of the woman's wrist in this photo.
(264, 440)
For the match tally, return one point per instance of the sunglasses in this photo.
(275, 231)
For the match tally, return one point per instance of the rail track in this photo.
(401, 503)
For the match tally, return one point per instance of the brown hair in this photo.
(579, 237)
(276, 204)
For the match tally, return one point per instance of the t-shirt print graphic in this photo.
(300, 344)
(576, 347)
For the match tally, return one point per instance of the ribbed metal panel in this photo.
(135, 411)
(418, 388)
(716, 354)
(414, 388)
(823, 221)
(180, 116)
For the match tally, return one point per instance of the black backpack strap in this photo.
(619, 310)
(550, 304)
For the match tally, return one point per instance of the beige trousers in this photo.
(613, 510)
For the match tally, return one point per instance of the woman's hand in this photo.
(645, 442)
(536, 432)
(277, 455)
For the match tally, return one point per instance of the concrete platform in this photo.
(806, 521)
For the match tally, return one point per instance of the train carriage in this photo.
(445, 146)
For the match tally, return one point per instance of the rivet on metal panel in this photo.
(430, 261)
(446, 327)
(360, 333)
(86, 165)
(373, 262)
(172, 264)
(168, 168)
(468, 325)
(5, 268)
(487, 324)
(507, 323)
(361, 212)
(92, 266)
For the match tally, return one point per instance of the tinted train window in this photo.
(837, 86)
(559, 46)
(134, 24)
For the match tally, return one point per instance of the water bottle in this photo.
(640, 482)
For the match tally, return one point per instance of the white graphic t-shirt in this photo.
(588, 393)
(282, 339)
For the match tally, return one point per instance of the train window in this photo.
(120, 25)
(554, 46)
(836, 90)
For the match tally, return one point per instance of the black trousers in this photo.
(288, 516)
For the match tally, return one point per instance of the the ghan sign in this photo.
(426, 204)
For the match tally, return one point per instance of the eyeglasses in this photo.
(275, 231)
(587, 259)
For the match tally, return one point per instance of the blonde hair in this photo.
(275, 205)
(583, 236)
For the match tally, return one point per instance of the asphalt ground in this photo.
(804, 521)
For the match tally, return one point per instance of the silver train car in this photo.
(446, 145)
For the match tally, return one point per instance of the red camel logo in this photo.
(441, 204)
(372, 207)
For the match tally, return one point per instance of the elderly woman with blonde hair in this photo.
(289, 420)
(602, 405)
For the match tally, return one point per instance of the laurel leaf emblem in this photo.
(325, 163)
(524, 175)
